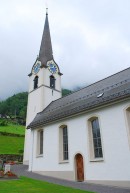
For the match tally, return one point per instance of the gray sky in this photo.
(90, 39)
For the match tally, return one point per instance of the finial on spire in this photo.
(46, 11)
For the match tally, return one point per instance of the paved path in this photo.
(22, 170)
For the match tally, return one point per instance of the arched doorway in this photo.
(79, 167)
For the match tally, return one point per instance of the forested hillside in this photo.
(65, 92)
(16, 105)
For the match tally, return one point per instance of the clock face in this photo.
(36, 67)
(52, 67)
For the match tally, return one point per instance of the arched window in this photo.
(95, 142)
(52, 81)
(35, 82)
(63, 143)
(40, 142)
(96, 138)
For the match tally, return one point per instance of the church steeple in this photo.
(45, 53)
(44, 85)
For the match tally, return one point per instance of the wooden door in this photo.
(79, 167)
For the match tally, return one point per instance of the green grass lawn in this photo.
(27, 185)
(11, 145)
(17, 129)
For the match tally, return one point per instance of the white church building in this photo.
(83, 136)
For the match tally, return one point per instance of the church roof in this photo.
(104, 92)
(45, 53)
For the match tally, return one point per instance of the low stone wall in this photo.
(11, 134)
(11, 157)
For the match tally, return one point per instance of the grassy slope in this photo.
(11, 145)
(17, 129)
(27, 185)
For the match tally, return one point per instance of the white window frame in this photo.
(61, 152)
(91, 143)
(128, 123)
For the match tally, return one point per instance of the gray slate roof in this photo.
(45, 53)
(113, 88)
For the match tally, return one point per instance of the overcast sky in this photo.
(90, 39)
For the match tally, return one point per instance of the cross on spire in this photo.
(46, 11)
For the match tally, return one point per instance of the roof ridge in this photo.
(94, 83)
(96, 92)
(101, 80)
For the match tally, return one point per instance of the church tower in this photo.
(44, 84)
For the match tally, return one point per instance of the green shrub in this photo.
(20, 151)
(3, 122)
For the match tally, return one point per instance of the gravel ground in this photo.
(22, 170)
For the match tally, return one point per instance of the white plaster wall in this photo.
(35, 105)
(116, 161)
(50, 95)
(27, 146)
(39, 99)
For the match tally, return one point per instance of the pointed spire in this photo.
(45, 52)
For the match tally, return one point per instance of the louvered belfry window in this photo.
(52, 81)
(35, 82)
